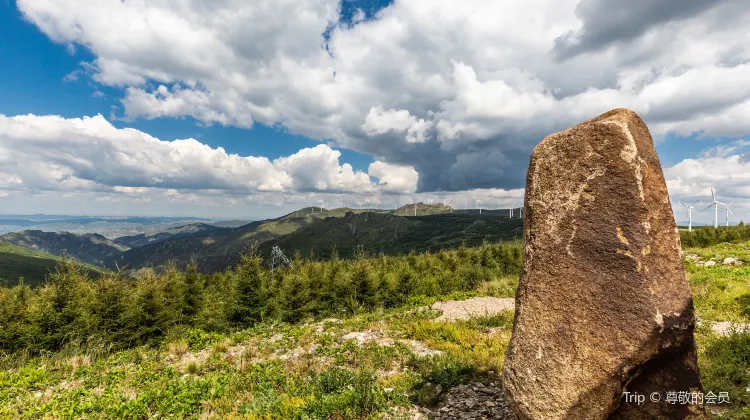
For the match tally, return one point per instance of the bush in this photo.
(72, 309)
(707, 236)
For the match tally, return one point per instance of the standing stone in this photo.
(603, 305)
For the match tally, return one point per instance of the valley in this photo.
(311, 232)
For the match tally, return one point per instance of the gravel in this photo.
(454, 310)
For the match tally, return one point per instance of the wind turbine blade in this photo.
(730, 212)
(686, 206)
(712, 194)
(695, 202)
(708, 207)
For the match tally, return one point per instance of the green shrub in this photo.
(123, 312)
(724, 366)
(707, 236)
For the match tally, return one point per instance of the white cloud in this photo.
(207, 107)
(380, 121)
(55, 153)
(394, 178)
(726, 169)
(318, 169)
(437, 85)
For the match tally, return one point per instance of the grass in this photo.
(271, 371)
(722, 293)
(308, 370)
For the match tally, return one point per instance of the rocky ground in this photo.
(453, 310)
(477, 400)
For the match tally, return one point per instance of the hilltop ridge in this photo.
(89, 248)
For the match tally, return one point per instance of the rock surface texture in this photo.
(603, 305)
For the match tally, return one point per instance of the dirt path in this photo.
(454, 310)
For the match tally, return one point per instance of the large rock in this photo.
(603, 305)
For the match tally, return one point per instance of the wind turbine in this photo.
(715, 205)
(690, 214)
(480, 206)
(415, 206)
(728, 212)
(510, 209)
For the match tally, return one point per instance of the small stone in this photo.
(730, 261)
(709, 263)
(489, 404)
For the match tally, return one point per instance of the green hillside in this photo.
(185, 231)
(338, 339)
(318, 232)
(217, 250)
(33, 266)
(396, 235)
(88, 248)
(422, 209)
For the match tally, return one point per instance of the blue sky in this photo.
(33, 77)
(369, 103)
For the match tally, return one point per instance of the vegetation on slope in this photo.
(88, 248)
(220, 249)
(208, 364)
(185, 231)
(707, 236)
(70, 308)
(396, 235)
(317, 233)
(33, 267)
(722, 293)
(211, 253)
(312, 369)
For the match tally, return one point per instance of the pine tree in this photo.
(249, 290)
(193, 289)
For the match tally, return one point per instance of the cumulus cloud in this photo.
(724, 168)
(394, 178)
(379, 121)
(604, 22)
(318, 169)
(56, 153)
(460, 91)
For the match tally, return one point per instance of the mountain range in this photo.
(311, 232)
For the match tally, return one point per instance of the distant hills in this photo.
(186, 231)
(90, 248)
(394, 235)
(315, 232)
(311, 231)
(33, 266)
(110, 227)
